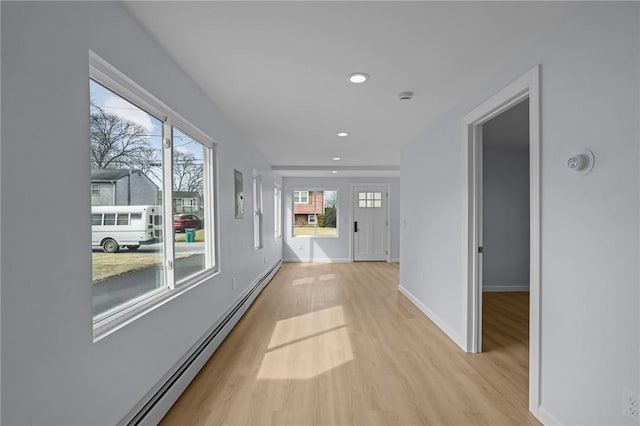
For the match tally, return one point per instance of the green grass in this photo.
(310, 230)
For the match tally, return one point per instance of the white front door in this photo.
(370, 223)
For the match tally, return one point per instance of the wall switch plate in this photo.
(631, 405)
(233, 283)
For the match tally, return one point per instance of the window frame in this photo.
(277, 210)
(111, 78)
(300, 197)
(95, 189)
(292, 216)
(257, 212)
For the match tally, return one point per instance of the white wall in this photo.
(332, 249)
(52, 372)
(505, 220)
(590, 224)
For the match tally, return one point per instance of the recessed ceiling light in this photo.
(337, 158)
(358, 77)
(342, 134)
(334, 171)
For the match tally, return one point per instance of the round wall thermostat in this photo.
(582, 162)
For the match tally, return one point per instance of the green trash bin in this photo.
(189, 235)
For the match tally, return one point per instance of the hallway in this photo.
(337, 344)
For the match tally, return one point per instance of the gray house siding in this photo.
(105, 194)
(131, 188)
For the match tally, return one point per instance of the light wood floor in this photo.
(337, 344)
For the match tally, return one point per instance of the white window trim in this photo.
(300, 197)
(111, 321)
(292, 215)
(257, 212)
(277, 210)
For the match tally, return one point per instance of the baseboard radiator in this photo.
(156, 404)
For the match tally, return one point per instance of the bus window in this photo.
(123, 219)
(96, 219)
(109, 218)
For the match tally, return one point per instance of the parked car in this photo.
(182, 221)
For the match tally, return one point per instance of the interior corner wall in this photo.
(589, 224)
(335, 249)
(52, 372)
(505, 235)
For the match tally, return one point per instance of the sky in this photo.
(115, 104)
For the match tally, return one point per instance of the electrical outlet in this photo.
(631, 405)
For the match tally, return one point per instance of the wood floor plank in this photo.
(337, 344)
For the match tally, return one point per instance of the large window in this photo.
(146, 161)
(257, 211)
(315, 212)
(277, 210)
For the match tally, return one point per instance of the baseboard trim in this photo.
(545, 417)
(153, 407)
(434, 318)
(395, 260)
(497, 288)
(316, 260)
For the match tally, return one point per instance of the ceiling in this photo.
(278, 70)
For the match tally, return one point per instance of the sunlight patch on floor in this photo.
(301, 281)
(306, 325)
(327, 277)
(307, 345)
(309, 357)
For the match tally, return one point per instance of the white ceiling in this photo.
(277, 70)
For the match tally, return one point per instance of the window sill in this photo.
(103, 327)
(315, 236)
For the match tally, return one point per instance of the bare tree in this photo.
(119, 143)
(188, 172)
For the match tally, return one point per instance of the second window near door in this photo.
(315, 212)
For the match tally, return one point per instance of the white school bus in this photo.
(132, 226)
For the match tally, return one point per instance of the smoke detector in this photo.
(405, 96)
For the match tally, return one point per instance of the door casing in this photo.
(527, 86)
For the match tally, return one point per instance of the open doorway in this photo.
(505, 231)
(521, 90)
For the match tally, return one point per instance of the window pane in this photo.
(123, 219)
(317, 216)
(188, 205)
(126, 163)
(96, 219)
(257, 212)
(277, 207)
(110, 219)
